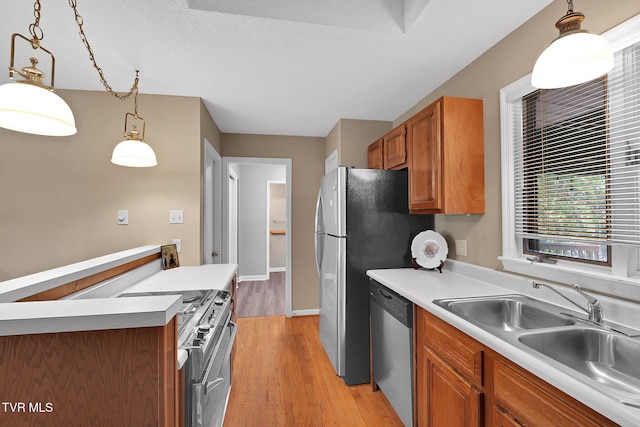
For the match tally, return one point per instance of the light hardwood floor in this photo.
(282, 377)
(261, 298)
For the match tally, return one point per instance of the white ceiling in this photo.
(278, 67)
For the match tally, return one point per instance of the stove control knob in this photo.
(203, 330)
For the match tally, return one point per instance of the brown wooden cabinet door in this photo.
(424, 140)
(445, 398)
(375, 155)
(501, 418)
(395, 148)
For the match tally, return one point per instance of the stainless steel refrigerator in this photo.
(362, 223)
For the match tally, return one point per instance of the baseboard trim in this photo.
(311, 312)
(255, 278)
(277, 269)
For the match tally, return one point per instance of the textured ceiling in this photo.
(279, 67)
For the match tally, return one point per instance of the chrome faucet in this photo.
(594, 310)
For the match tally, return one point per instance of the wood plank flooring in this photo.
(282, 377)
(261, 298)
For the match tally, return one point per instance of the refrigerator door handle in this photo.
(318, 236)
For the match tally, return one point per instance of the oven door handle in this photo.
(213, 384)
(234, 330)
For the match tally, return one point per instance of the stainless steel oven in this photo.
(208, 368)
(206, 332)
(210, 393)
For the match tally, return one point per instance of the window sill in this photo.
(600, 281)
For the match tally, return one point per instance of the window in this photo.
(562, 200)
(571, 175)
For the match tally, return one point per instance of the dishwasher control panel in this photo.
(395, 304)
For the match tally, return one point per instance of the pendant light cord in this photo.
(85, 41)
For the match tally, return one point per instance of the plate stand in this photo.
(417, 266)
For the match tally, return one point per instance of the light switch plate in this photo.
(176, 216)
(123, 217)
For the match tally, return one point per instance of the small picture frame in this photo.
(169, 256)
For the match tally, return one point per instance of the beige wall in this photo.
(208, 131)
(333, 140)
(307, 156)
(60, 195)
(352, 137)
(505, 63)
(356, 135)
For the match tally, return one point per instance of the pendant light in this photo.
(29, 105)
(133, 151)
(575, 57)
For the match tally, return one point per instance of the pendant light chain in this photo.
(569, 6)
(85, 41)
(135, 96)
(34, 29)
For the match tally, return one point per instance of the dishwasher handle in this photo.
(387, 296)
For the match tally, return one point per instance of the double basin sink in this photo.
(598, 356)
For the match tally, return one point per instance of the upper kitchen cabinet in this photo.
(374, 155)
(395, 148)
(445, 144)
(390, 151)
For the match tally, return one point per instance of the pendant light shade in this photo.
(33, 109)
(134, 153)
(575, 57)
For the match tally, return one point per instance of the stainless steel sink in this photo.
(507, 313)
(607, 358)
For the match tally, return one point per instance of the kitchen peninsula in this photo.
(79, 356)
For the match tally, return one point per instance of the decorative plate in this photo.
(429, 249)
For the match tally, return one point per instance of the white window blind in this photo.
(577, 159)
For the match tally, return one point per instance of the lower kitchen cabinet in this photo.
(460, 382)
(112, 377)
(448, 398)
(448, 375)
(529, 401)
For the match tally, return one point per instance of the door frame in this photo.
(212, 200)
(232, 203)
(287, 163)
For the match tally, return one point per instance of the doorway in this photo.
(246, 219)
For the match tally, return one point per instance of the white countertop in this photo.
(21, 287)
(85, 314)
(41, 317)
(208, 276)
(464, 280)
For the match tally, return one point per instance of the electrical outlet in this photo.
(461, 247)
(178, 243)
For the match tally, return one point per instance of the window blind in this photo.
(577, 159)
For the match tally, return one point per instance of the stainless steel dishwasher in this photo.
(392, 348)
